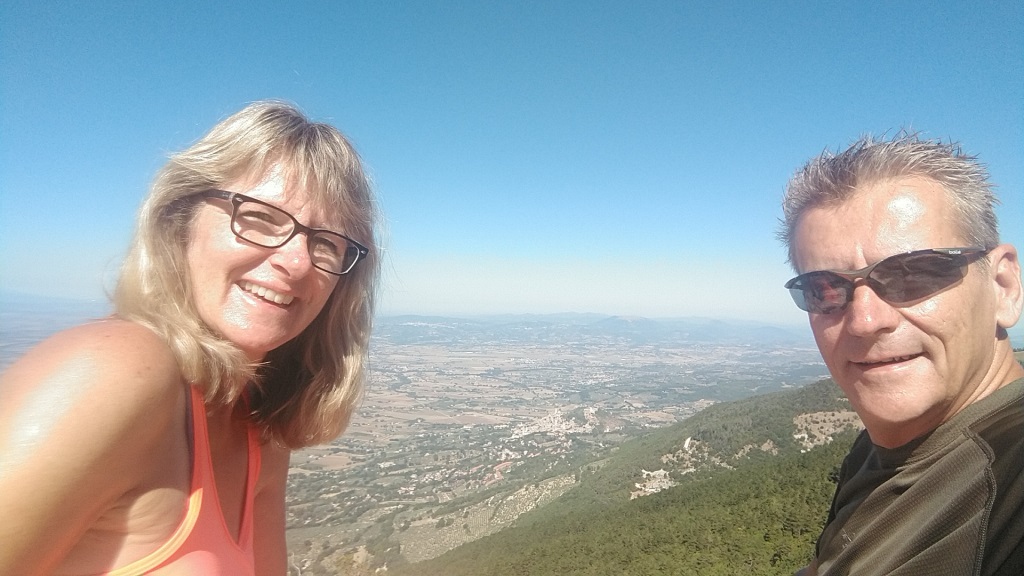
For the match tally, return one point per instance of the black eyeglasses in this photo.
(897, 279)
(266, 225)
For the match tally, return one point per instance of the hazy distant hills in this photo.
(28, 317)
(569, 329)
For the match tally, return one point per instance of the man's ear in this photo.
(1005, 272)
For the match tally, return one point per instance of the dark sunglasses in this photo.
(897, 279)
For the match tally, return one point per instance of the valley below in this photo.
(467, 425)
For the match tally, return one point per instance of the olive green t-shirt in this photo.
(950, 502)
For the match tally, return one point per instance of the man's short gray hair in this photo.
(831, 179)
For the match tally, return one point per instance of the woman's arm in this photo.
(269, 514)
(79, 417)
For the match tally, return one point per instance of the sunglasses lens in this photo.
(821, 292)
(897, 279)
(910, 277)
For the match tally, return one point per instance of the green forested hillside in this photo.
(762, 517)
(759, 519)
(725, 428)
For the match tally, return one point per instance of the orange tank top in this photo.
(202, 543)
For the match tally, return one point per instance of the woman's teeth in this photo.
(267, 293)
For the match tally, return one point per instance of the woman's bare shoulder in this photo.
(105, 336)
(269, 512)
(85, 417)
(109, 351)
(113, 370)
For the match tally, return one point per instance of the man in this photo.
(909, 294)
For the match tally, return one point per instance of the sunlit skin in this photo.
(908, 368)
(221, 265)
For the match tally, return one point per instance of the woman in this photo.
(157, 440)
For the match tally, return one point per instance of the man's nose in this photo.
(867, 313)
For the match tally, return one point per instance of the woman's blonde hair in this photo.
(305, 391)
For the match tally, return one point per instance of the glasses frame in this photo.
(966, 257)
(237, 199)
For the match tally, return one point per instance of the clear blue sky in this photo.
(611, 157)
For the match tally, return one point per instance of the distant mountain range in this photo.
(570, 328)
(63, 312)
